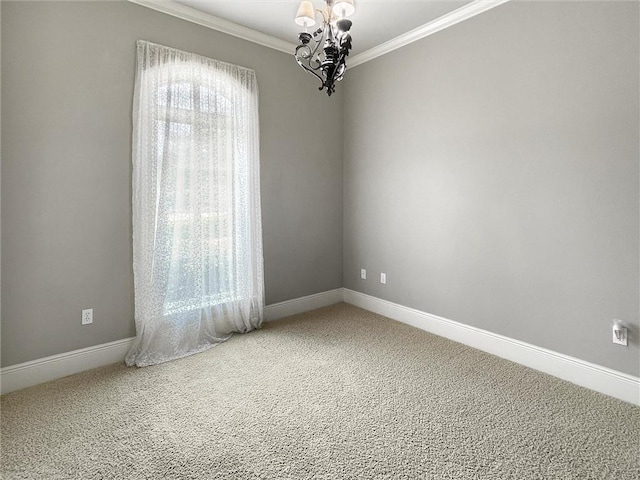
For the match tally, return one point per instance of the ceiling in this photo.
(374, 21)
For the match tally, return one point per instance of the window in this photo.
(196, 201)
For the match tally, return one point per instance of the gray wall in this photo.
(67, 86)
(491, 170)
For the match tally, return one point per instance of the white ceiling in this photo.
(374, 21)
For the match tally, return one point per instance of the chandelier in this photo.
(323, 53)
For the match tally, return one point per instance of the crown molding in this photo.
(189, 14)
(463, 13)
(192, 15)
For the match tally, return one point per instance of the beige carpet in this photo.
(334, 393)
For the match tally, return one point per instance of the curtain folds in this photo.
(197, 239)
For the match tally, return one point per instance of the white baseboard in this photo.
(50, 368)
(595, 377)
(46, 369)
(280, 310)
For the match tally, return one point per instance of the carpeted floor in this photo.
(334, 393)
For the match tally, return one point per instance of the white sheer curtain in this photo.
(197, 240)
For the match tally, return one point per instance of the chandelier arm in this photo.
(340, 73)
(304, 67)
(335, 77)
(344, 53)
(324, 17)
(314, 56)
(307, 69)
(342, 62)
(341, 67)
(305, 60)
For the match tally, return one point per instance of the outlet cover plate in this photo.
(623, 340)
(87, 316)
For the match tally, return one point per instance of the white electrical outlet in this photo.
(87, 316)
(620, 333)
(383, 278)
(363, 273)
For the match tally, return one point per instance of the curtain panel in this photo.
(197, 239)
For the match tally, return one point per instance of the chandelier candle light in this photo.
(329, 62)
